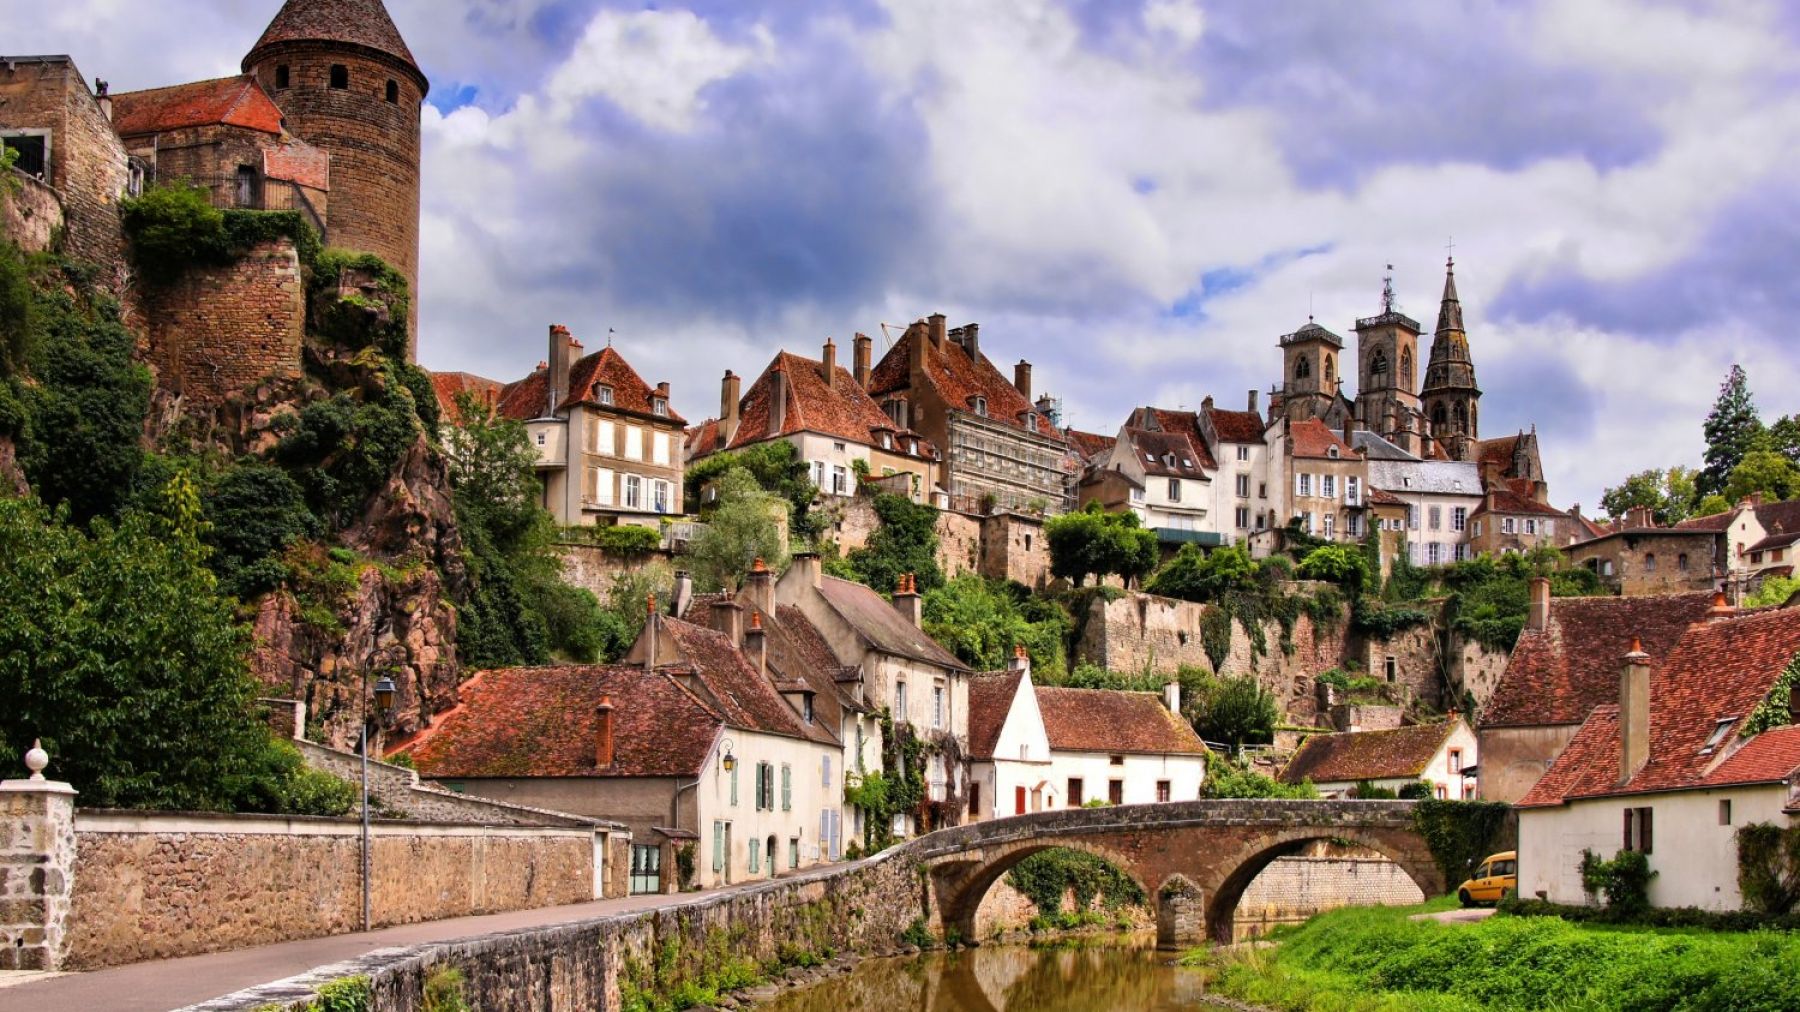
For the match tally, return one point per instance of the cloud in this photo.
(654, 65)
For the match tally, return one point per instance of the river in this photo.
(1008, 978)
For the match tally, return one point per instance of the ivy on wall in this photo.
(1459, 833)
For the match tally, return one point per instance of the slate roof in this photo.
(1166, 454)
(448, 385)
(958, 378)
(990, 700)
(1313, 438)
(231, 101)
(1368, 755)
(876, 621)
(1109, 720)
(1236, 426)
(1374, 447)
(1431, 477)
(1718, 669)
(541, 722)
(1559, 675)
(355, 22)
(841, 408)
(526, 399)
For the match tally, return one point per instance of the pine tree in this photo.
(1730, 430)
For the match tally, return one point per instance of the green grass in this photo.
(1376, 959)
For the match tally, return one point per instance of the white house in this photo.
(1440, 498)
(1442, 755)
(1249, 488)
(1675, 766)
(1037, 748)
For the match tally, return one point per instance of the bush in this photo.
(254, 513)
(1048, 875)
(1625, 880)
(18, 337)
(906, 542)
(1092, 542)
(1769, 867)
(1225, 780)
(1193, 575)
(172, 226)
(624, 539)
(1459, 833)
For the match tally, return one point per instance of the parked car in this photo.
(1497, 876)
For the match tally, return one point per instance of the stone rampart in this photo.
(218, 330)
(592, 568)
(30, 212)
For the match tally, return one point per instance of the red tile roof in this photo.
(1368, 755)
(299, 162)
(1504, 500)
(744, 696)
(232, 101)
(798, 651)
(1557, 676)
(1167, 454)
(1719, 669)
(841, 408)
(876, 621)
(1088, 445)
(702, 439)
(1108, 720)
(1185, 423)
(1236, 426)
(990, 700)
(1313, 438)
(526, 399)
(1772, 755)
(1498, 451)
(1710, 522)
(449, 385)
(356, 22)
(1378, 497)
(958, 378)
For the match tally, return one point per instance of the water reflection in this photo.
(1007, 978)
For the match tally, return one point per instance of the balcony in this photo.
(1174, 536)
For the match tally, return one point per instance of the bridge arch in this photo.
(1241, 865)
(961, 883)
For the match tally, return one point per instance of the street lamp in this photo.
(729, 762)
(384, 704)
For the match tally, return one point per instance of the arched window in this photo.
(1474, 419)
(1437, 416)
(340, 76)
(281, 75)
(393, 91)
(1406, 368)
(1302, 367)
(1330, 369)
(1378, 367)
(1462, 418)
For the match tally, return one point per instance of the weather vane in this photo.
(1387, 290)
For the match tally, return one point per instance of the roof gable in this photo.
(1110, 720)
(840, 408)
(1313, 438)
(229, 101)
(1236, 426)
(745, 696)
(991, 697)
(958, 378)
(1166, 454)
(1369, 755)
(880, 626)
(527, 398)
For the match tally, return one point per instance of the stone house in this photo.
(890, 669)
(1327, 481)
(1510, 521)
(1635, 558)
(824, 411)
(1564, 665)
(1440, 497)
(1672, 764)
(1760, 540)
(1442, 755)
(609, 444)
(998, 448)
(689, 741)
(1034, 748)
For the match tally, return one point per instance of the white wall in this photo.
(1139, 772)
(1695, 857)
(811, 795)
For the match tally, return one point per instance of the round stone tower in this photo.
(346, 82)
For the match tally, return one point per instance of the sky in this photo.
(1139, 196)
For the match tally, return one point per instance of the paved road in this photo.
(174, 983)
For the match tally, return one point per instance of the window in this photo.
(825, 771)
(244, 194)
(1302, 368)
(540, 439)
(840, 480)
(1243, 486)
(1074, 792)
(634, 443)
(1262, 490)
(787, 785)
(660, 496)
(1442, 792)
(1412, 518)
(600, 491)
(1332, 452)
(603, 394)
(1353, 525)
(1243, 453)
(634, 491)
(1436, 518)
(660, 406)
(1455, 760)
(1330, 526)
(806, 710)
(765, 787)
(1353, 490)
(1530, 526)
(755, 857)
(734, 782)
(975, 798)
(818, 474)
(937, 706)
(1724, 811)
(1650, 562)
(1755, 558)
(793, 852)
(1391, 667)
(605, 441)
(1163, 791)
(33, 152)
(1720, 729)
(1243, 518)
(1462, 552)
(340, 76)
(659, 448)
(1434, 553)
(1681, 562)
(281, 75)
(1638, 830)
(1328, 486)
(1018, 801)
(1117, 760)
(1506, 525)
(646, 862)
(718, 847)
(1174, 489)
(900, 700)
(1303, 484)
(981, 406)
(1115, 791)
(1459, 518)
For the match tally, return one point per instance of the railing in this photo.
(1174, 536)
(257, 193)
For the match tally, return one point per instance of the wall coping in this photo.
(114, 821)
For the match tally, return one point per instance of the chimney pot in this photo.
(862, 351)
(907, 602)
(756, 643)
(1721, 607)
(935, 323)
(760, 587)
(972, 341)
(603, 733)
(1022, 378)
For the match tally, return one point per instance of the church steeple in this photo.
(1451, 399)
(1450, 310)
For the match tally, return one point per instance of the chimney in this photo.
(760, 585)
(862, 351)
(103, 96)
(907, 601)
(809, 568)
(559, 367)
(756, 644)
(684, 593)
(1538, 617)
(603, 733)
(1751, 501)
(1253, 408)
(935, 325)
(730, 392)
(1021, 661)
(972, 341)
(1022, 378)
(828, 363)
(728, 618)
(1634, 712)
(1172, 696)
(777, 401)
(1721, 608)
(1206, 403)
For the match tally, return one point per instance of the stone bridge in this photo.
(1193, 858)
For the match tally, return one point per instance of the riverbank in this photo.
(1375, 959)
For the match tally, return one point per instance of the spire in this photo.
(363, 23)
(1450, 311)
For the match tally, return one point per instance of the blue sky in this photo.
(1139, 196)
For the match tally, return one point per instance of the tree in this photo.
(981, 622)
(741, 529)
(1194, 575)
(1669, 495)
(117, 650)
(254, 512)
(1238, 710)
(493, 468)
(1784, 437)
(1775, 590)
(1731, 429)
(1227, 780)
(777, 467)
(1765, 473)
(1343, 565)
(906, 542)
(1092, 542)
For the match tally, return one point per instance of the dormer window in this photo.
(659, 405)
(1720, 729)
(603, 394)
(981, 406)
(887, 441)
(1332, 452)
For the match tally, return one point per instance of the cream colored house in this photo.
(1442, 755)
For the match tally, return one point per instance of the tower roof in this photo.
(1450, 310)
(362, 23)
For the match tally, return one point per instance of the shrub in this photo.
(1048, 875)
(254, 513)
(1459, 833)
(1625, 880)
(906, 542)
(444, 990)
(1225, 780)
(626, 539)
(1769, 867)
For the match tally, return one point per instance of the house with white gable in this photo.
(1442, 755)
(1035, 748)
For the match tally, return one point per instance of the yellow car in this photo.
(1497, 876)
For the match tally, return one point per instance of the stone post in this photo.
(37, 867)
(1180, 914)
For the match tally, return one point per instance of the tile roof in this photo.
(232, 101)
(1109, 720)
(1088, 445)
(1504, 500)
(1710, 522)
(797, 650)
(744, 696)
(1558, 675)
(541, 722)
(1775, 541)
(990, 700)
(1719, 669)
(1236, 426)
(702, 439)
(958, 378)
(1167, 454)
(356, 22)
(1772, 755)
(525, 399)
(1368, 755)
(1498, 451)
(1313, 438)
(448, 385)
(841, 408)
(876, 621)
(1376, 497)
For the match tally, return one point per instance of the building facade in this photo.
(1442, 755)
(1327, 482)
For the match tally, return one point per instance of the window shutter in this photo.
(787, 788)
(1629, 814)
(825, 770)
(718, 846)
(755, 857)
(734, 770)
(1645, 822)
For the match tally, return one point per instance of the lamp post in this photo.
(728, 761)
(384, 702)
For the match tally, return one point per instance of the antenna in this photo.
(1387, 290)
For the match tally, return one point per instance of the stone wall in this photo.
(959, 543)
(1292, 889)
(218, 330)
(30, 214)
(1013, 548)
(396, 792)
(156, 886)
(1417, 672)
(1475, 672)
(591, 568)
(37, 849)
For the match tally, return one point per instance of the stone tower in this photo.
(1387, 348)
(1451, 399)
(1310, 376)
(346, 82)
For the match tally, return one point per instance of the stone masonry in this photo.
(218, 330)
(37, 854)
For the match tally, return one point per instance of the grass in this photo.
(1373, 959)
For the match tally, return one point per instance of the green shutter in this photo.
(718, 846)
(787, 788)
(734, 770)
(755, 856)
